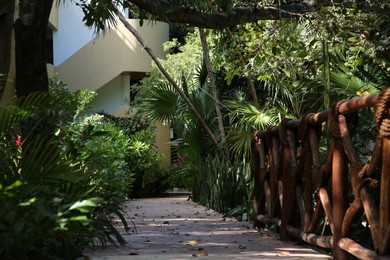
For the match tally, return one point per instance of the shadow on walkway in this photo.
(174, 228)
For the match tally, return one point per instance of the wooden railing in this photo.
(321, 203)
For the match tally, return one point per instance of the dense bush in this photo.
(143, 159)
(62, 173)
(47, 206)
(101, 149)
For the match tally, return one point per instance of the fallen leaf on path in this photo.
(284, 254)
(241, 247)
(202, 253)
(166, 223)
(133, 253)
(193, 242)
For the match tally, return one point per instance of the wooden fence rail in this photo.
(324, 203)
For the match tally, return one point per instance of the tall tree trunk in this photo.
(170, 79)
(206, 56)
(7, 9)
(30, 44)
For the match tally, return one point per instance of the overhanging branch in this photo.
(238, 15)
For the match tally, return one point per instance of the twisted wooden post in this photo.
(382, 119)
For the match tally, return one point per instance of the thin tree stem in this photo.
(214, 91)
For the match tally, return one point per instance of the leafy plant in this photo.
(46, 202)
(221, 185)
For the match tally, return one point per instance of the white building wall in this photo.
(72, 33)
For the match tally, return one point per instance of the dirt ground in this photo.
(175, 228)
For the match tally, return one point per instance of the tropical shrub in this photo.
(142, 159)
(62, 174)
(144, 164)
(46, 203)
(101, 149)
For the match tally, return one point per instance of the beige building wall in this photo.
(111, 53)
(53, 19)
(106, 65)
(163, 143)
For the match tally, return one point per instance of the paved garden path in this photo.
(175, 228)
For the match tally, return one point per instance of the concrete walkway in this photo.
(174, 228)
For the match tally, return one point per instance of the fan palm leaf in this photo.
(161, 102)
(246, 118)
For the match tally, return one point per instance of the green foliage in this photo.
(221, 185)
(244, 119)
(101, 149)
(180, 174)
(142, 158)
(144, 164)
(46, 201)
(298, 66)
(66, 175)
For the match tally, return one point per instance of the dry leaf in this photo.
(193, 242)
(202, 253)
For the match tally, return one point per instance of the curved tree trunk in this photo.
(170, 79)
(32, 23)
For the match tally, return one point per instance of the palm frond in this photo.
(247, 115)
(161, 102)
(201, 74)
(240, 142)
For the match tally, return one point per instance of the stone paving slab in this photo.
(175, 228)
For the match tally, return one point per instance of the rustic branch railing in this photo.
(297, 193)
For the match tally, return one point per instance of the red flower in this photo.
(18, 140)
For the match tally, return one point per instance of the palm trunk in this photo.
(169, 78)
